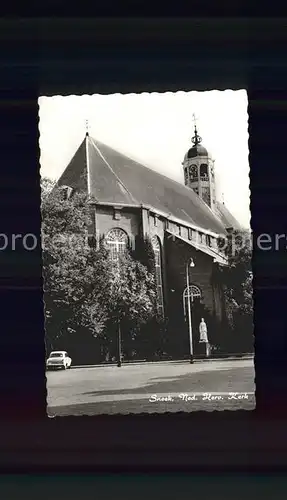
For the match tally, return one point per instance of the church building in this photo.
(183, 222)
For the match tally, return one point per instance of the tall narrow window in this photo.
(158, 274)
(204, 172)
(193, 173)
(117, 242)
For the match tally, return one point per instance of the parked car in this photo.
(58, 359)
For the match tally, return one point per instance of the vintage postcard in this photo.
(147, 253)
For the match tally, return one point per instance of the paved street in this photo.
(152, 387)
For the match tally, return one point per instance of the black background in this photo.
(62, 57)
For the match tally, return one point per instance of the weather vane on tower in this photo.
(196, 139)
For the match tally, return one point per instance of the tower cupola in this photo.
(198, 169)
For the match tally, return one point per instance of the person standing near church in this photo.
(203, 338)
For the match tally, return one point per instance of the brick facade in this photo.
(140, 222)
(201, 275)
(106, 219)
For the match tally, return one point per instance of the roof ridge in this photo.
(188, 189)
(140, 164)
(166, 194)
(72, 159)
(109, 166)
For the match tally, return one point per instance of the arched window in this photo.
(195, 292)
(193, 173)
(192, 293)
(117, 242)
(204, 172)
(158, 274)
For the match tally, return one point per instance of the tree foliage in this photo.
(128, 291)
(237, 282)
(83, 287)
(68, 267)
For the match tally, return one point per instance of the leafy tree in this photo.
(69, 264)
(83, 286)
(128, 297)
(47, 186)
(128, 292)
(144, 253)
(237, 282)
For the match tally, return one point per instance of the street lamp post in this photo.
(189, 264)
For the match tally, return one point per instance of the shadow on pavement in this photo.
(225, 380)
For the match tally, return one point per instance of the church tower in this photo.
(198, 169)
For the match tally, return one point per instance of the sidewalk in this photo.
(181, 361)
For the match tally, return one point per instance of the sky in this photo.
(156, 130)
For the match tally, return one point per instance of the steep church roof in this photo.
(227, 218)
(111, 177)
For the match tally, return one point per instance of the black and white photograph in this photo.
(146, 247)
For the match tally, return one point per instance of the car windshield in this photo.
(56, 355)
